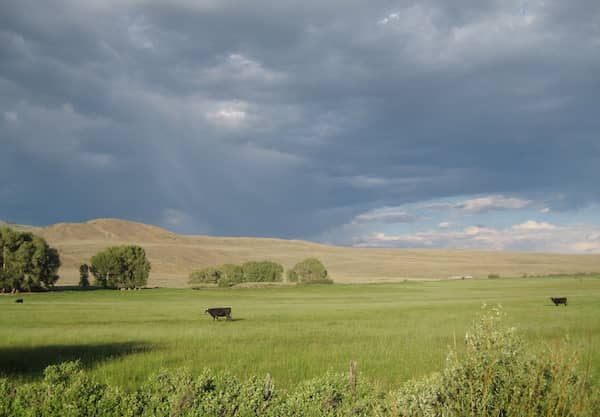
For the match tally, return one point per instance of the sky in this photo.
(425, 124)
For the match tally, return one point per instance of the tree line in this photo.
(28, 263)
(308, 271)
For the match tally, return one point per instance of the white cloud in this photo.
(385, 215)
(533, 225)
(492, 202)
(545, 210)
(444, 225)
(473, 230)
(482, 204)
(235, 67)
(232, 115)
(528, 236)
(389, 18)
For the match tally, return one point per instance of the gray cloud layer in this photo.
(288, 119)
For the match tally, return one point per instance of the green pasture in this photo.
(394, 331)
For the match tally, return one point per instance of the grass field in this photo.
(394, 331)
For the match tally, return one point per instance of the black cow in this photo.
(559, 300)
(19, 300)
(217, 312)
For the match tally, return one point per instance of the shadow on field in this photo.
(31, 361)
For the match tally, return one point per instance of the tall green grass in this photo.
(496, 376)
(394, 331)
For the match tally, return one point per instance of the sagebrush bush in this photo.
(497, 376)
(332, 396)
(65, 391)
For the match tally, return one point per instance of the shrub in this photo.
(332, 396)
(230, 275)
(6, 394)
(310, 270)
(498, 376)
(264, 271)
(67, 391)
(493, 276)
(209, 275)
(178, 393)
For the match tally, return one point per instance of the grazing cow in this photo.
(217, 312)
(559, 300)
(19, 300)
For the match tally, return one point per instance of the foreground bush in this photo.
(495, 376)
(498, 376)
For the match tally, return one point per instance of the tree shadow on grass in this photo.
(30, 362)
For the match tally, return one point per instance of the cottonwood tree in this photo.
(310, 270)
(208, 275)
(121, 267)
(84, 276)
(27, 262)
(264, 271)
(231, 274)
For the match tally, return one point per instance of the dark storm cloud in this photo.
(254, 118)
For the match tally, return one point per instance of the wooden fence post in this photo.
(352, 376)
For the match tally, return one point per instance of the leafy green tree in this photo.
(106, 266)
(84, 276)
(27, 261)
(121, 267)
(208, 275)
(310, 270)
(230, 275)
(264, 271)
(137, 267)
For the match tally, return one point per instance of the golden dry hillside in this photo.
(173, 256)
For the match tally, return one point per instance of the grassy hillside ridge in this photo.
(173, 256)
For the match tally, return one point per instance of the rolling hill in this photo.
(173, 256)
